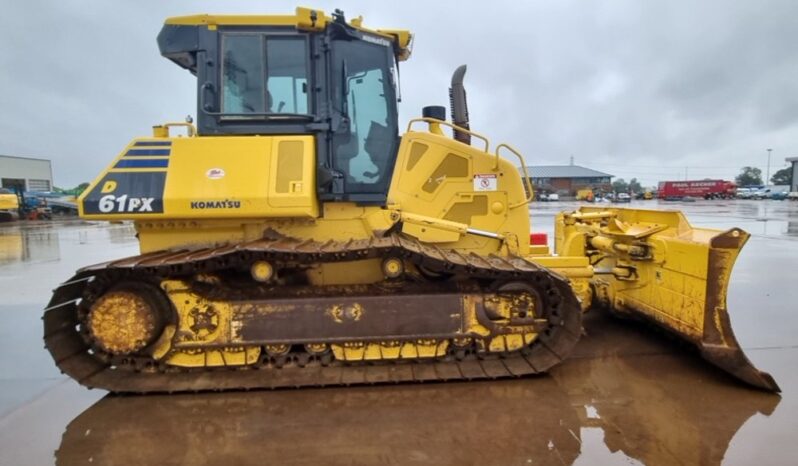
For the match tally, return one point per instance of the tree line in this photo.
(749, 176)
(753, 176)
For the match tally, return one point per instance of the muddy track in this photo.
(76, 357)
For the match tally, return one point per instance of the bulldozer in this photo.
(294, 237)
(9, 205)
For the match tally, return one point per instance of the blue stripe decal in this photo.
(142, 163)
(135, 152)
(152, 143)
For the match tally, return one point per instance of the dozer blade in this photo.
(718, 344)
(680, 282)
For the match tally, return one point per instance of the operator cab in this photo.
(301, 74)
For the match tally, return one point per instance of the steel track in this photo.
(75, 356)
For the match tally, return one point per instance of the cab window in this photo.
(264, 74)
(364, 148)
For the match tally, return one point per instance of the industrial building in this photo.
(566, 180)
(25, 174)
(794, 162)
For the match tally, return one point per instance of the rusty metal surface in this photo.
(74, 356)
(123, 321)
(718, 345)
(349, 317)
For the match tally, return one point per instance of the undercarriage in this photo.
(258, 315)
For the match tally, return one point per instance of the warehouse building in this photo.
(794, 162)
(566, 180)
(25, 174)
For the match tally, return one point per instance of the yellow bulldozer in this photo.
(9, 205)
(293, 237)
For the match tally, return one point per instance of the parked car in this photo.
(744, 193)
(776, 193)
(622, 197)
(793, 196)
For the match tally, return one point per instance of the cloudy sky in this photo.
(651, 89)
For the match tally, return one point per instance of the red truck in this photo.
(707, 189)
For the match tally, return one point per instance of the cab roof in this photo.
(306, 19)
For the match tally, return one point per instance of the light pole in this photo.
(767, 171)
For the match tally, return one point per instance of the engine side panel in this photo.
(441, 178)
(207, 178)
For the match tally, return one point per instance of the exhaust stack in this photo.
(457, 99)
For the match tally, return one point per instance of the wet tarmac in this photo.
(628, 395)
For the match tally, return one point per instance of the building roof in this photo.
(24, 158)
(792, 159)
(564, 171)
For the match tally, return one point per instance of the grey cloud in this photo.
(632, 88)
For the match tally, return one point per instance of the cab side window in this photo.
(287, 75)
(242, 74)
(264, 74)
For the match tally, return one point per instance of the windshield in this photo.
(365, 147)
(263, 74)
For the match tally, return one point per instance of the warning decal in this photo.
(486, 182)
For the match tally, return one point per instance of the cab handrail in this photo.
(523, 168)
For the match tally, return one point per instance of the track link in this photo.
(75, 356)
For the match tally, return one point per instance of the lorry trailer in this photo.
(707, 189)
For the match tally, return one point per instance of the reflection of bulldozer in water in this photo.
(28, 244)
(11, 249)
(648, 418)
(294, 238)
(432, 424)
(655, 405)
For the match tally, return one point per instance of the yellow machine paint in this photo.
(654, 265)
(9, 202)
(585, 195)
(297, 181)
(305, 19)
(203, 179)
(223, 332)
(9, 205)
(204, 185)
